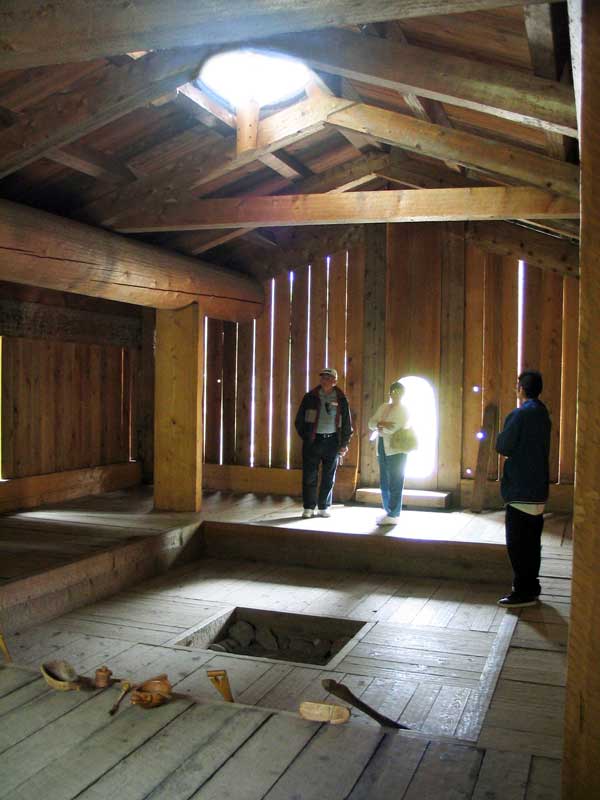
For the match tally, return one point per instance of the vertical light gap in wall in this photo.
(346, 319)
(253, 393)
(204, 374)
(327, 262)
(271, 361)
(222, 403)
(308, 310)
(520, 307)
(288, 424)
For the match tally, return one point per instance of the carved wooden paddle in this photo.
(341, 691)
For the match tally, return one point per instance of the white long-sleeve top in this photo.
(394, 413)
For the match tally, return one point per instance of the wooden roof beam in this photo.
(91, 162)
(518, 242)
(337, 179)
(79, 30)
(410, 205)
(500, 91)
(65, 255)
(194, 171)
(65, 117)
(424, 138)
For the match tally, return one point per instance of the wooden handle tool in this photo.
(341, 691)
(125, 687)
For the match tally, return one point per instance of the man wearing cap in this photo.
(325, 425)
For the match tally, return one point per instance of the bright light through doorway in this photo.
(419, 399)
(241, 76)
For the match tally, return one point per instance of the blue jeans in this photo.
(391, 476)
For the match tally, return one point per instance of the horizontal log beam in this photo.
(467, 149)
(537, 249)
(40, 249)
(500, 91)
(32, 33)
(410, 205)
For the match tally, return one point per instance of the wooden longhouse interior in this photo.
(175, 270)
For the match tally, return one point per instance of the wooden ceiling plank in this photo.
(193, 172)
(66, 117)
(91, 162)
(500, 91)
(465, 148)
(542, 46)
(410, 205)
(516, 241)
(79, 30)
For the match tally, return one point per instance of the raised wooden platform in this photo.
(411, 498)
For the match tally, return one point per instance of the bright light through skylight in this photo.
(242, 75)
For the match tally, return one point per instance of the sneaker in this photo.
(308, 513)
(387, 520)
(323, 512)
(514, 600)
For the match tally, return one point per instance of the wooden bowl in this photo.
(60, 675)
(152, 693)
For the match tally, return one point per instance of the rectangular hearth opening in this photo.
(256, 632)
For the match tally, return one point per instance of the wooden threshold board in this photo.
(411, 498)
(370, 552)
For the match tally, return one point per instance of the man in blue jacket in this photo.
(525, 441)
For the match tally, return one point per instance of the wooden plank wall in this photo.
(549, 343)
(450, 314)
(256, 373)
(65, 405)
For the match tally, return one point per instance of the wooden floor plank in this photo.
(442, 766)
(390, 770)
(91, 758)
(208, 756)
(329, 766)
(136, 775)
(253, 769)
(520, 742)
(446, 711)
(503, 776)
(544, 780)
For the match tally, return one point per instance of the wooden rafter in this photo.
(502, 92)
(411, 205)
(64, 118)
(79, 30)
(338, 179)
(464, 148)
(196, 170)
(537, 249)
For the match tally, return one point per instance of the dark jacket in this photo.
(525, 439)
(307, 417)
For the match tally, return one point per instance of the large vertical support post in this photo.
(178, 409)
(374, 388)
(581, 776)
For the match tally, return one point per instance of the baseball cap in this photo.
(330, 371)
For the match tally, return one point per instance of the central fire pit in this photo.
(270, 634)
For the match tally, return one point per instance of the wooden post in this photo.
(581, 776)
(247, 126)
(374, 390)
(178, 409)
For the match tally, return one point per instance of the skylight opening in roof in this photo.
(238, 77)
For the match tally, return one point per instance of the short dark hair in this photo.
(531, 383)
(397, 386)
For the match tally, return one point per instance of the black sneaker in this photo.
(514, 600)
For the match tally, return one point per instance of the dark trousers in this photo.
(323, 451)
(524, 544)
(391, 479)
